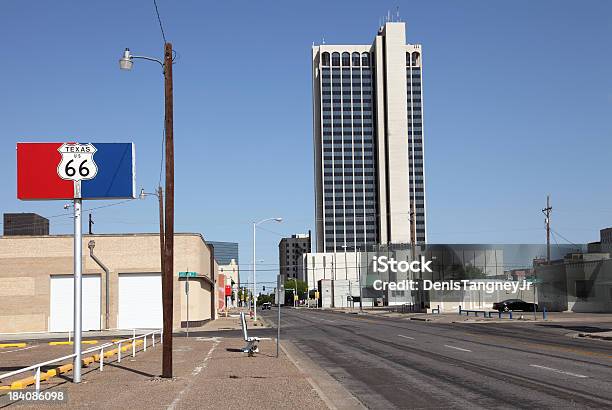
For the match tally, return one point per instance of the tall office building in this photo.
(368, 142)
(290, 251)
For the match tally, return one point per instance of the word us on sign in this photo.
(69, 170)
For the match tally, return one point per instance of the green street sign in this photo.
(188, 274)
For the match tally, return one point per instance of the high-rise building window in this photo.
(325, 59)
(336, 59)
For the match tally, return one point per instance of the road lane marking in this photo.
(559, 371)
(407, 337)
(457, 348)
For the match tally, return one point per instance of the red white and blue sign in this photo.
(57, 170)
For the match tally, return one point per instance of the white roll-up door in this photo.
(140, 301)
(62, 298)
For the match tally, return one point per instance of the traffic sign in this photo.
(56, 170)
(188, 274)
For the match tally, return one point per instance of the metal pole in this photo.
(78, 282)
(167, 278)
(187, 292)
(358, 263)
(254, 274)
(278, 290)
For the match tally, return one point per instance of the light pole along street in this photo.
(167, 256)
(255, 262)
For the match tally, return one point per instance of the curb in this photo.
(4, 345)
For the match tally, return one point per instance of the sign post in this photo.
(187, 293)
(61, 171)
(78, 291)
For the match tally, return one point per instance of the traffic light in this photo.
(264, 288)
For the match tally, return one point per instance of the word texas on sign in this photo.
(55, 170)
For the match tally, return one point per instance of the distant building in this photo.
(232, 278)
(605, 238)
(225, 252)
(28, 224)
(290, 251)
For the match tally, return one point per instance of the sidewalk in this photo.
(209, 373)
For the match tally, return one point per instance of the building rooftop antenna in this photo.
(397, 14)
(323, 39)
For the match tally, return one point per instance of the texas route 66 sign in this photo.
(77, 164)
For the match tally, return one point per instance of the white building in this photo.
(368, 142)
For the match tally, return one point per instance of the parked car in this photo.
(266, 305)
(514, 304)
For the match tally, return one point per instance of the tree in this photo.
(290, 286)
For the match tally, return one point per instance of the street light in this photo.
(255, 262)
(126, 62)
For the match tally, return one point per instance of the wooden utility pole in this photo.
(413, 230)
(162, 249)
(167, 276)
(546, 211)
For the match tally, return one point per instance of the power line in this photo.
(161, 26)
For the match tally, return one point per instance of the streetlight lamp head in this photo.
(278, 219)
(142, 193)
(126, 63)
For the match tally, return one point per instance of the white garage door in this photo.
(140, 301)
(62, 298)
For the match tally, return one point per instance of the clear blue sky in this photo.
(518, 101)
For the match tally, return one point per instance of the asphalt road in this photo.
(396, 363)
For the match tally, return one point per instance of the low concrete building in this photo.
(36, 282)
(231, 272)
(578, 283)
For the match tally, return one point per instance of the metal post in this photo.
(278, 290)
(358, 265)
(37, 378)
(167, 279)
(78, 292)
(254, 273)
(119, 353)
(187, 292)
(144, 343)
(101, 359)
